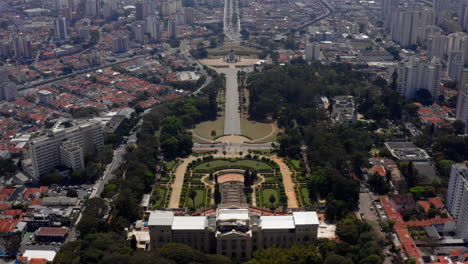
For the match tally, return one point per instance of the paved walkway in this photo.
(254, 196)
(288, 183)
(232, 124)
(178, 182)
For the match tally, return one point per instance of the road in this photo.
(185, 50)
(330, 10)
(231, 20)
(232, 124)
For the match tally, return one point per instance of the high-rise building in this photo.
(408, 25)
(463, 15)
(312, 51)
(455, 64)
(139, 31)
(154, 28)
(8, 89)
(234, 232)
(462, 105)
(437, 46)
(172, 28)
(22, 47)
(457, 198)
(141, 10)
(415, 74)
(458, 41)
(388, 6)
(92, 8)
(120, 43)
(61, 30)
(65, 144)
(188, 15)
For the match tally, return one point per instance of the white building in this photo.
(120, 43)
(458, 41)
(408, 25)
(63, 144)
(457, 198)
(388, 6)
(437, 46)
(8, 89)
(455, 64)
(415, 74)
(232, 232)
(154, 28)
(312, 51)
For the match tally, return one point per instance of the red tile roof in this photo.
(436, 202)
(8, 225)
(51, 231)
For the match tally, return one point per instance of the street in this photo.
(232, 124)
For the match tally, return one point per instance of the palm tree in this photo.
(192, 194)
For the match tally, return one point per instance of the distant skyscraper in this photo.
(415, 74)
(458, 41)
(120, 43)
(172, 28)
(139, 33)
(408, 25)
(455, 64)
(457, 198)
(437, 46)
(141, 10)
(22, 47)
(312, 51)
(61, 30)
(154, 28)
(388, 6)
(463, 15)
(462, 105)
(93, 7)
(188, 15)
(7, 88)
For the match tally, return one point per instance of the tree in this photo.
(72, 193)
(8, 168)
(13, 243)
(192, 194)
(133, 242)
(217, 194)
(53, 177)
(372, 259)
(272, 200)
(337, 259)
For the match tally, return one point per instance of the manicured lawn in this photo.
(266, 193)
(219, 164)
(296, 164)
(204, 130)
(305, 196)
(199, 199)
(257, 131)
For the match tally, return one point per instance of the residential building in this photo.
(120, 43)
(154, 28)
(312, 51)
(22, 47)
(388, 6)
(344, 111)
(232, 232)
(458, 41)
(8, 89)
(66, 144)
(172, 28)
(415, 74)
(455, 64)
(437, 45)
(463, 15)
(457, 198)
(462, 105)
(141, 10)
(45, 96)
(61, 30)
(408, 25)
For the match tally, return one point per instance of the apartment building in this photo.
(415, 74)
(66, 144)
(232, 232)
(457, 198)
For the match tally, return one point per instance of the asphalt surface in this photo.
(231, 20)
(232, 125)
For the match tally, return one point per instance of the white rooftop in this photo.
(45, 254)
(189, 223)
(277, 222)
(228, 214)
(161, 218)
(306, 218)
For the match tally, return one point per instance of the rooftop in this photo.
(189, 223)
